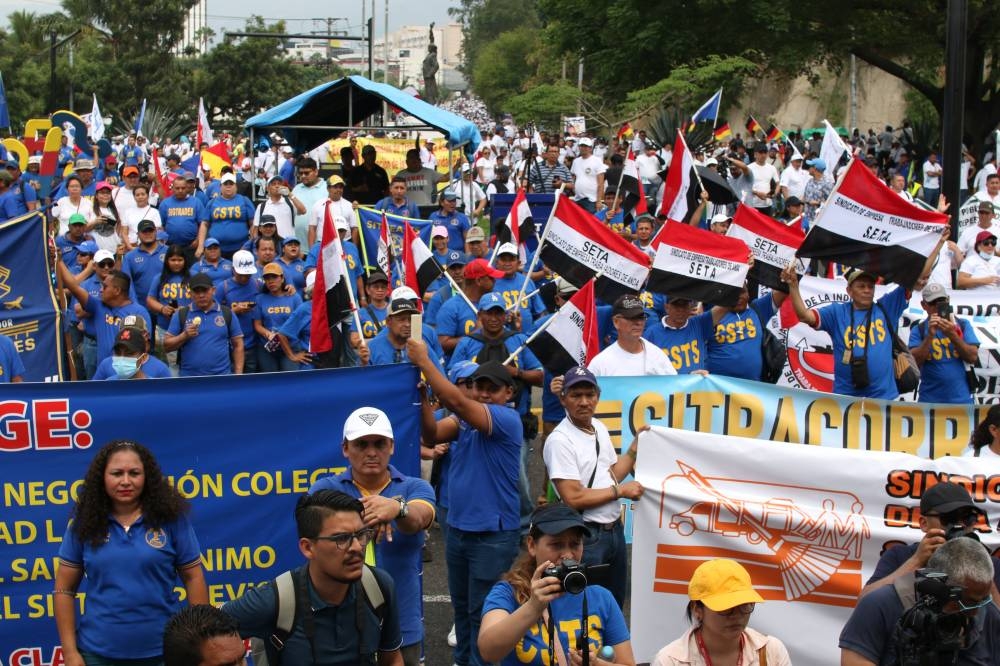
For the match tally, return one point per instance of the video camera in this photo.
(925, 635)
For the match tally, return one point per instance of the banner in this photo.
(808, 524)
(391, 153)
(241, 449)
(371, 227)
(28, 312)
(574, 125)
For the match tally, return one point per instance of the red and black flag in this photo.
(633, 198)
(772, 243)
(753, 126)
(699, 265)
(773, 133)
(518, 226)
(332, 298)
(571, 337)
(419, 265)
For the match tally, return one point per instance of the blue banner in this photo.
(370, 221)
(240, 448)
(28, 312)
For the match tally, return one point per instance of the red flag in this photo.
(571, 338)
(675, 189)
(164, 183)
(633, 198)
(517, 226)
(419, 266)
(331, 298)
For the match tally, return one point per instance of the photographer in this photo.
(927, 620)
(945, 509)
(537, 595)
(942, 345)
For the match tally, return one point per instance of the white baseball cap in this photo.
(339, 222)
(244, 263)
(507, 248)
(365, 421)
(404, 292)
(101, 255)
(586, 141)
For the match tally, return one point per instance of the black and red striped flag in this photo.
(331, 300)
(419, 266)
(571, 337)
(699, 265)
(633, 198)
(772, 243)
(518, 226)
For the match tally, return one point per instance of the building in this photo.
(196, 36)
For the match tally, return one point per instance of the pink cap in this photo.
(439, 230)
(104, 185)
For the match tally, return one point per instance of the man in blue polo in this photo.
(185, 218)
(397, 203)
(210, 339)
(402, 507)
(389, 346)
(512, 283)
(457, 317)
(942, 345)
(455, 222)
(144, 263)
(238, 294)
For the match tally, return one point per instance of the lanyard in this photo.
(704, 651)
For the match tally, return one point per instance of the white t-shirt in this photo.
(985, 452)
(763, 175)
(469, 194)
(979, 184)
(941, 272)
(616, 362)
(967, 241)
(133, 216)
(571, 454)
(977, 267)
(283, 213)
(648, 166)
(795, 180)
(485, 167)
(586, 170)
(124, 200)
(342, 208)
(64, 208)
(932, 182)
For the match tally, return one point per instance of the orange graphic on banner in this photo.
(804, 551)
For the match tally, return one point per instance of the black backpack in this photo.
(772, 351)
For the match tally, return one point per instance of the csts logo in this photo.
(43, 425)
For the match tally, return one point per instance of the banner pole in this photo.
(538, 250)
(458, 289)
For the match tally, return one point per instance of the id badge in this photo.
(847, 357)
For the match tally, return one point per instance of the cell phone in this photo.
(416, 326)
(944, 311)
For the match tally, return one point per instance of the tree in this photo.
(502, 68)
(484, 20)
(545, 104)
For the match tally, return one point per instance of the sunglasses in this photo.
(107, 264)
(742, 609)
(988, 242)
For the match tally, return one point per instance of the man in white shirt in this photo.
(649, 165)
(989, 168)
(987, 221)
(427, 158)
(932, 180)
(765, 180)
(588, 170)
(631, 355)
(339, 207)
(794, 178)
(471, 199)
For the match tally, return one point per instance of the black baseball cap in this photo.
(200, 281)
(495, 372)
(628, 306)
(146, 225)
(556, 518)
(945, 497)
(376, 276)
(793, 201)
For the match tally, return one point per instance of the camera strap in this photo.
(597, 452)
(555, 645)
(854, 337)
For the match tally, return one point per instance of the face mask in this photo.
(125, 366)
(985, 255)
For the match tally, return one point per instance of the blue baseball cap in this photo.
(817, 163)
(457, 258)
(211, 242)
(462, 370)
(578, 375)
(87, 247)
(290, 239)
(490, 301)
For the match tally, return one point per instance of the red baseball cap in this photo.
(478, 268)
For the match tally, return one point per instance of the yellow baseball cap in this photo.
(722, 584)
(334, 180)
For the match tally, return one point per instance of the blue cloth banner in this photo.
(28, 312)
(241, 449)
(4, 109)
(371, 226)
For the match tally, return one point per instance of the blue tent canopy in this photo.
(321, 113)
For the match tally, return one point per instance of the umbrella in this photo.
(719, 191)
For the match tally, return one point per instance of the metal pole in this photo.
(854, 92)
(371, 49)
(954, 106)
(52, 71)
(385, 31)
(366, 26)
(579, 85)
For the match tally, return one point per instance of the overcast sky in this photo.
(298, 14)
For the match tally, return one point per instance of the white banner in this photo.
(807, 522)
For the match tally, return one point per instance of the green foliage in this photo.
(156, 123)
(484, 20)
(692, 84)
(502, 68)
(545, 104)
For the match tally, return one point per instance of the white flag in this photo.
(204, 131)
(832, 150)
(96, 122)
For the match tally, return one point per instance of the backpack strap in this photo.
(368, 595)
(182, 316)
(284, 612)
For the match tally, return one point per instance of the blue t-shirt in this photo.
(605, 623)
(10, 363)
(273, 311)
(130, 585)
(67, 249)
(372, 320)
(208, 352)
(173, 291)
(408, 209)
(213, 189)
(433, 306)
(295, 274)
(468, 349)
(181, 219)
(942, 377)
(456, 318)
(685, 346)
(153, 367)
(402, 558)
(510, 288)
(144, 268)
(486, 467)
(107, 321)
(457, 225)
(229, 221)
(616, 223)
(219, 272)
(844, 323)
(735, 342)
(383, 353)
(130, 155)
(232, 292)
(298, 329)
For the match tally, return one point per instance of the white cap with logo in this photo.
(365, 421)
(244, 263)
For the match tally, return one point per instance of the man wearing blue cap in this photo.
(441, 288)
(448, 217)
(817, 188)
(144, 263)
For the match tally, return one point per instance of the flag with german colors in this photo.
(772, 243)
(571, 338)
(773, 133)
(699, 265)
(753, 126)
(722, 132)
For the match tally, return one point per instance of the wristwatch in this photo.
(404, 509)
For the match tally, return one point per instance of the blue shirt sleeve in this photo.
(870, 627)
(968, 333)
(506, 423)
(185, 541)
(174, 328)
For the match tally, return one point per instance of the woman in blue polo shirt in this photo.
(131, 537)
(171, 292)
(272, 309)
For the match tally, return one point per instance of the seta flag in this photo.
(577, 246)
(772, 243)
(633, 198)
(678, 182)
(698, 264)
(571, 337)
(331, 297)
(420, 268)
(773, 133)
(384, 254)
(518, 226)
(753, 126)
(866, 225)
(205, 134)
(722, 132)
(709, 111)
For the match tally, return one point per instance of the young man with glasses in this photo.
(332, 537)
(400, 506)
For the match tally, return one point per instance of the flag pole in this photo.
(454, 285)
(526, 296)
(545, 325)
(345, 275)
(361, 237)
(538, 250)
(694, 167)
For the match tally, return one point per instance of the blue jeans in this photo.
(476, 560)
(249, 360)
(931, 197)
(608, 547)
(273, 361)
(88, 349)
(96, 660)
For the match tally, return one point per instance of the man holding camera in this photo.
(941, 616)
(941, 345)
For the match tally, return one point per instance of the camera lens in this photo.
(575, 582)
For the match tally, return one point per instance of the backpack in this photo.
(496, 350)
(293, 602)
(772, 351)
(260, 208)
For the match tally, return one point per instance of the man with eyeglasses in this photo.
(630, 355)
(400, 506)
(332, 537)
(872, 635)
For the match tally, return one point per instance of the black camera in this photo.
(859, 371)
(944, 310)
(926, 635)
(571, 574)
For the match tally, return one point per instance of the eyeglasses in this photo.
(344, 541)
(742, 609)
(107, 264)
(964, 608)
(967, 518)
(988, 242)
